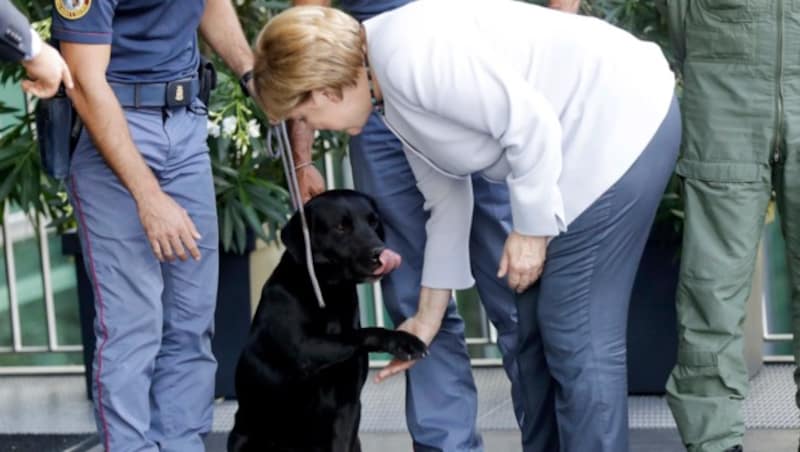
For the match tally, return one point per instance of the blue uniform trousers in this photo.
(153, 367)
(572, 322)
(441, 399)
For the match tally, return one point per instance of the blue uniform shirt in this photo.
(364, 9)
(151, 40)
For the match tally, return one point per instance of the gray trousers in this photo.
(153, 366)
(572, 322)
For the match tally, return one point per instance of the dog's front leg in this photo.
(316, 353)
(401, 344)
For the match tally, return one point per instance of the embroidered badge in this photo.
(73, 9)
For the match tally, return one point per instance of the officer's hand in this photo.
(46, 71)
(169, 228)
(310, 182)
(522, 260)
(570, 6)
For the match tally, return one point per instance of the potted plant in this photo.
(652, 322)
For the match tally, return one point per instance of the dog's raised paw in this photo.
(405, 346)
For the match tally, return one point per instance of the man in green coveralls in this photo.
(741, 107)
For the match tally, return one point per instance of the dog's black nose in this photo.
(376, 254)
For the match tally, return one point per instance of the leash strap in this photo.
(284, 150)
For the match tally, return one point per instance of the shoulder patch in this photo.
(72, 9)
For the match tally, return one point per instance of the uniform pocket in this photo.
(699, 373)
(724, 30)
(739, 11)
(741, 172)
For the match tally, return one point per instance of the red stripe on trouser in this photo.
(100, 312)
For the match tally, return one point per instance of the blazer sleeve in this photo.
(15, 33)
(449, 203)
(460, 81)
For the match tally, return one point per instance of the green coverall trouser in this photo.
(741, 111)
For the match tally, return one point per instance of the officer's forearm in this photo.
(103, 117)
(570, 6)
(301, 137)
(221, 29)
(311, 2)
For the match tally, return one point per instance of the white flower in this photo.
(239, 2)
(253, 128)
(213, 129)
(229, 125)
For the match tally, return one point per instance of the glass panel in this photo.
(65, 293)
(776, 288)
(5, 312)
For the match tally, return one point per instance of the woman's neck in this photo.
(376, 96)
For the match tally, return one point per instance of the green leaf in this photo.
(226, 228)
(8, 184)
(251, 217)
(239, 230)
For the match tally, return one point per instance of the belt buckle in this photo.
(179, 93)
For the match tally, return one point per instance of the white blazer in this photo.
(558, 106)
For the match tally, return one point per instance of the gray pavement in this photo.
(44, 407)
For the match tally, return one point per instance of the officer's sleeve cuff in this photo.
(81, 37)
(36, 46)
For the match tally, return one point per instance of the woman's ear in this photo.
(325, 95)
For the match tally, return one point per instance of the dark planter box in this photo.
(232, 316)
(652, 319)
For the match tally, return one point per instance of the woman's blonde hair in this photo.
(302, 49)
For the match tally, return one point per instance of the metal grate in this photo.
(770, 404)
(58, 405)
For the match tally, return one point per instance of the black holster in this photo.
(58, 127)
(208, 79)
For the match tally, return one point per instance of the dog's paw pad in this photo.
(407, 347)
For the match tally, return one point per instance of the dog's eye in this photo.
(372, 220)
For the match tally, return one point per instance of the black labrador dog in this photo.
(299, 378)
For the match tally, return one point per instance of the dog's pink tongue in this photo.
(389, 261)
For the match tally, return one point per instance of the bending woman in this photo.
(576, 116)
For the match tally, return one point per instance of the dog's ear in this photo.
(292, 237)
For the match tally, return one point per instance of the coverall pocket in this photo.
(733, 10)
(699, 373)
(729, 171)
(721, 30)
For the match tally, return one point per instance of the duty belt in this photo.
(177, 93)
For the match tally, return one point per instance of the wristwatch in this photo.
(244, 80)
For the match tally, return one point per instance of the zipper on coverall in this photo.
(776, 157)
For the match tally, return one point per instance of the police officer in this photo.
(441, 398)
(141, 185)
(741, 104)
(19, 42)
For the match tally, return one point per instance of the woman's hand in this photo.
(522, 260)
(424, 329)
(424, 324)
